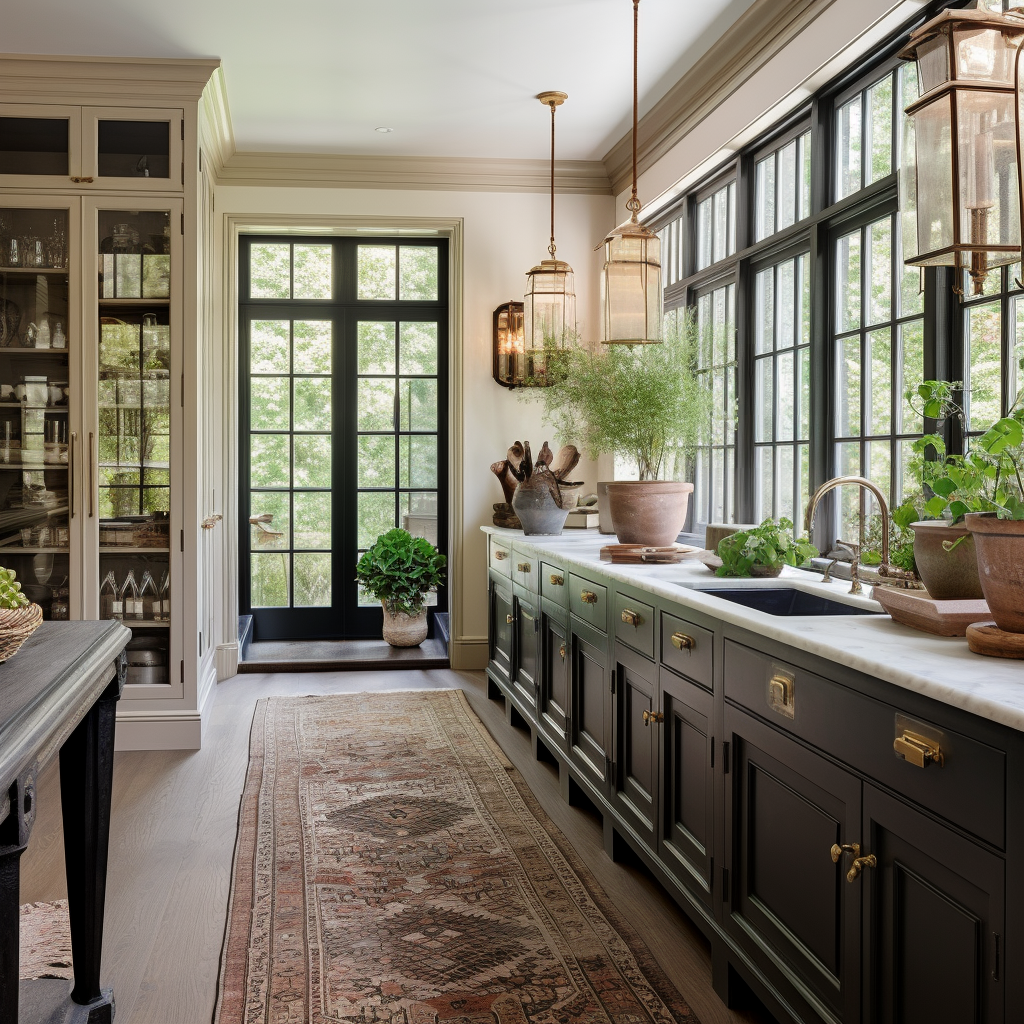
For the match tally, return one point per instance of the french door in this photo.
(343, 421)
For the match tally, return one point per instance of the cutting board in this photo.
(641, 554)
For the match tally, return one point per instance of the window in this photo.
(716, 226)
(672, 252)
(782, 187)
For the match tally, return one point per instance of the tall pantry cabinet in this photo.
(106, 502)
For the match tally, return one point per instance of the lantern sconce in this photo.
(960, 194)
(509, 367)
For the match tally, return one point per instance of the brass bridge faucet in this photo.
(838, 481)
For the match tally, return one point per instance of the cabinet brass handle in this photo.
(499, 555)
(869, 860)
(656, 717)
(71, 472)
(682, 642)
(588, 597)
(631, 618)
(918, 750)
(556, 580)
(523, 566)
(80, 181)
(509, 619)
(561, 651)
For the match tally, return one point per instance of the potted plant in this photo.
(763, 550)
(19, 618)
(400, 570)
(644, 403)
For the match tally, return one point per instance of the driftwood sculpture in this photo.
(519, 467)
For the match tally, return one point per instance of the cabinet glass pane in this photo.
(34, 145)
(134, 149)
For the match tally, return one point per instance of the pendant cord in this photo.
(551, 247)
(633, 205)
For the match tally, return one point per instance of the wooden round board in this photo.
(988, 638)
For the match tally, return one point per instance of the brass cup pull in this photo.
(682, 642)
(523, 567)
(509, 619)
(588, 597)
(631, 618)
(556, 580)
(561, 651)
(918, 750)
(654, 716)
(499, 555)
(869, 860)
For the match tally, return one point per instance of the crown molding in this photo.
(757, 36)
(316, 170)
(217, 137)
(107, 81)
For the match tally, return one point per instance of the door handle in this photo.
(869, 860)
(92, 474)
(71, 473)
(561, 651)
(509, 619)
(657, 717)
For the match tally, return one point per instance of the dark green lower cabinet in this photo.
(526, 645)
(634, 784)
(499, 635)
(553, 694)
(590, 706)
(933, 920)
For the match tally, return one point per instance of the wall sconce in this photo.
(959, 188)
(509, 362)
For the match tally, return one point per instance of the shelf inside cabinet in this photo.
(10, 548)
(135, 302)
(127, 549)
(63, 271)
(145, 623)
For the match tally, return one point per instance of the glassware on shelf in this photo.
(130, 598)
(150, 598)
(60, 607)
(165, 597)
(111, 606)
(59, 339)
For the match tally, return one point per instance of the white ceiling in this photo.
(451, 77)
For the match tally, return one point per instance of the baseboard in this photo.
(227, 658)
(468, 653)
(207, 684)
(158, 730)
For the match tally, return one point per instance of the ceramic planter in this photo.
(404, 630)
(1000, 545)
(947, 575)
(537, 509)
(648, 512)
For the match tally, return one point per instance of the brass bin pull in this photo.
(869, 860)
(918, 750)
(509, 619)
(523, 567)
(556, 580)
(561, 651)
(682, 642)
(588, 597)
(654, 716)
(631, 618)
(499, 555)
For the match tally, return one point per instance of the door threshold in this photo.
(340, 656)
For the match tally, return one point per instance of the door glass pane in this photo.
(270, 573)
(312, 346)
(417, 461)
(418, 404)
(417, 273)
(311, 519)
(312, 579)
(375, 405)
(312, 403)
(271, 403)
(312, 466)
(375, 271)
(417, 349)
(277, 533)
(377, 346)
(34, 145)
(134, 149)
(269, 455)
(375, 515)
(376, 460)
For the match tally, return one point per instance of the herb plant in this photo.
(769, 546)
(400, 570)
(10, 590)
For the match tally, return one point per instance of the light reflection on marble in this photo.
(943, 668)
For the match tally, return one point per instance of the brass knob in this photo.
(556, 580)
(631, 618)
(588, 597)
(561, 651)
(509, 619)
(869, 860)
(653, 716)
(682, 642)
(499, 555)
(523, 566)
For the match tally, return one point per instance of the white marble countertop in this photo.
(939, 667)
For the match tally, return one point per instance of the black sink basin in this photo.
(785, 601)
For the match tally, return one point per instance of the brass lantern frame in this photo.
(512, 374)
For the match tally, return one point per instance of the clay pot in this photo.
(404, 630)
(1000, 546)
(648, 512)
(537, 509)
(948, 575)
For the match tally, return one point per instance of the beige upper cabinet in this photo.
(122, 148)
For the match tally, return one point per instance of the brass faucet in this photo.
(860, 481)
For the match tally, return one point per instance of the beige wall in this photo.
(504, 234)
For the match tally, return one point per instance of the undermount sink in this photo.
(785, 601)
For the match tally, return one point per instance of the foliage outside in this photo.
(640, 402)
(399, 570)
(10, 590)
(770, 546)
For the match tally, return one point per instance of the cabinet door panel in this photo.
(934, 917)
(635, 757)
(590, 713)
(500, 654)
(526, 622)
(788, 900)
(554, 685)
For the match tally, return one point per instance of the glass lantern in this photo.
(959, 191)
(631, 298)
(508, 365)
(549, 312)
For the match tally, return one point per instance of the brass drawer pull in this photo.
(561, 651)
(657, 717)
(588, 597)
(523, 567)
(79, 181)
(682, 642)
(556, 580)
(918, 750)
(869, 860)
(631, 618)
(509, 619)
(499, 555)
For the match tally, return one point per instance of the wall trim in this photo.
(158, 730)
(217, 137)
(322, 170)
(468, 654)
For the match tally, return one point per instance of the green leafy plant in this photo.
(641, 402)
(769, 546)
(400, 570)
(10, 590)
(901, 537)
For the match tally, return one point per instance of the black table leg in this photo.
(14, 832)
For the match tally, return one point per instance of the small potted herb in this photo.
(764, 550)
(400, 570)
(19, 618)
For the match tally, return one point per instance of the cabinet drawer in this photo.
(553, 584)
(687, 649)
(634, 624)
(499, 556)
(968, 788)
(589, 601)
(526, 571)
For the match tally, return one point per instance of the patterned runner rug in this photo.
(391, 867)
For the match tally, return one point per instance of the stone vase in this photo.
(650, 512)
(1000, 545)
(947, 575)
(404, 630)
(537, 509)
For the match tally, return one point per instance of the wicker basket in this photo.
(16, 626)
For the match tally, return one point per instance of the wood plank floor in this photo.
(173, 834)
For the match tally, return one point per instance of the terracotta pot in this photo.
(648, 512)
(404, 630)
(948, 575)
(537, 509)
(1000, 545)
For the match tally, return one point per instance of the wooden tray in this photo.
(988, 638)
(916, 609)
(637, 554)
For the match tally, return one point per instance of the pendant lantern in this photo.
(631, 293)
(959, 188)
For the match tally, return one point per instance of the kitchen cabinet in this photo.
(590, 705)
(499, 632)
(526, 643)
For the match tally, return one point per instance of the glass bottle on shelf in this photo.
(130, 599)
(150, 597)
(165, 597)
(110, 604)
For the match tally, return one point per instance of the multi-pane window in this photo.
(716, 226)
(715, 475)
(782, 389)
(878, 349)
(672, 251)
(782, 187)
